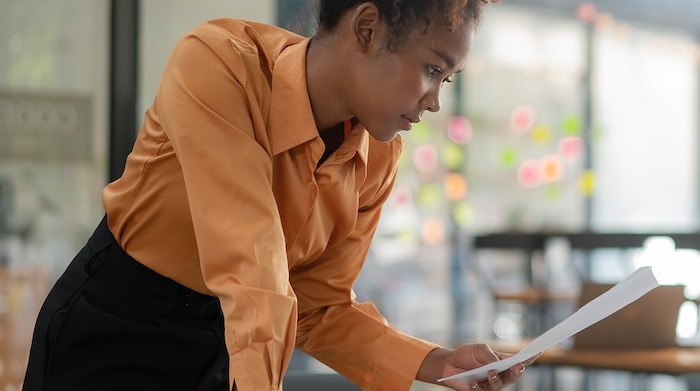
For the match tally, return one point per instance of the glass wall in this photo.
(53, 131)
(520, 145)
(524, 97)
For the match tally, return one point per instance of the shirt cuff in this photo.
(399, 362)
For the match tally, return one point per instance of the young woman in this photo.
(247, 207)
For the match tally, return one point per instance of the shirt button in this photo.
(310, 185)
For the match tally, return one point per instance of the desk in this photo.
(670, 361)
(534, 247)
(674, 361)
(581, 240)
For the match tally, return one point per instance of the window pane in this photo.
(646, 130)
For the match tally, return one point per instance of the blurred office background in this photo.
(570, 117)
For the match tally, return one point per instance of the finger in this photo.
(494, 381)
(458, 385)
(532, 359)
(513, 375)
(502, 356)
(485, 354)
(490, 383)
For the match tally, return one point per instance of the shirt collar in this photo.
(356, 142)
(291, 120)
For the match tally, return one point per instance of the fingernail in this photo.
(494, 377)
(522, 369)
(473, 386)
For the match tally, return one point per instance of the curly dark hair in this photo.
(402, 16)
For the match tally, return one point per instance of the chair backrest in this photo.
(647, 323)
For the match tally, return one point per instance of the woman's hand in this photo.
(444, 362)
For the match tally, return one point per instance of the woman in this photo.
(247, 206)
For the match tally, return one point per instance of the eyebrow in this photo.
(446, 57)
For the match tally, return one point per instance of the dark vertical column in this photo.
(587, 91)
(587, 133)
(460, 249)
(123, 83)
(693, 381)
(697, 144)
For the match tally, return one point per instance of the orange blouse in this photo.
(222, 193)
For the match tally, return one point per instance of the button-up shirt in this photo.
(223, 193)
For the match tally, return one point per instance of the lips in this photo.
(413, 120)
(408, 121)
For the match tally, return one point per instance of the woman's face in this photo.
(398, 86)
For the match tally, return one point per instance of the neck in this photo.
(324, 79)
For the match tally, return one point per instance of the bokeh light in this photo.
(402, 197)
(522, 118)
(462, 214)
(459, 130)
(425, 158)
(571, 125)
(420, 132)
(429, 196)
(587, 13)
(552, 170)
(587, 183)
(452, 156)
(432, 231)
(455, 186)
(509, 157)
(570, 149)
(541, 133)
(529, 174)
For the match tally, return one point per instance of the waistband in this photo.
(141, 277)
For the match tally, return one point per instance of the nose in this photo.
(431, 100)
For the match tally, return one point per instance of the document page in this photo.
(625, 292)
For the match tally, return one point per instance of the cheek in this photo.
(393, 75)
(392, 87)
(411, 91)
(405, 85)
(411, 81)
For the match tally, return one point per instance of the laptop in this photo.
(647, 323)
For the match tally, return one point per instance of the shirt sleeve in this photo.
(350, 337)
(206, 105)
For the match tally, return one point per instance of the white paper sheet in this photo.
(625, 292)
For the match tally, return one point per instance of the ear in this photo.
(365, 22)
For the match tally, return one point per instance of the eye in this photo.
(434, 71)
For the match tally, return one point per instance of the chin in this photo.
(384, 137)
(382, 131)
